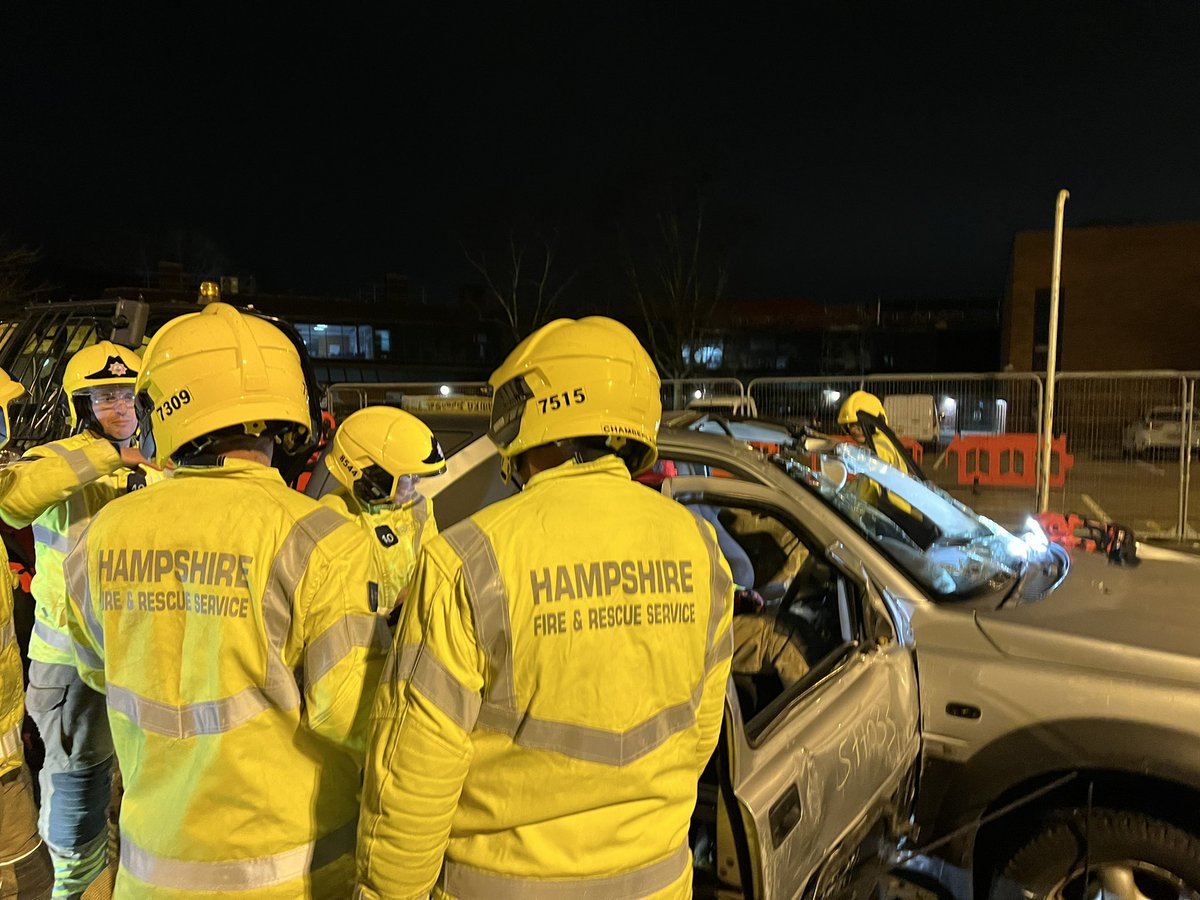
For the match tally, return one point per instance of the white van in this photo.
(913, 415)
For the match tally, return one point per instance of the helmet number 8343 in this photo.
(566, 398)
(172, 403)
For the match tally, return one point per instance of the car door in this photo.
(823, 774)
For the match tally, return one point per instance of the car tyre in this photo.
(1129, 854)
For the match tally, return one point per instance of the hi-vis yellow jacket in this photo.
(554, 692)
(58, 487)
(12, 679)
(395, 535)
(228, 618)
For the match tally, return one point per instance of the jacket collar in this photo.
(240, 468)
(606, 465)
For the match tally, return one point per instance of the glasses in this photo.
(109, 400)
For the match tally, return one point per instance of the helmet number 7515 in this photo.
(566, 398)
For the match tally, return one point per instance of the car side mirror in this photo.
(835, 470)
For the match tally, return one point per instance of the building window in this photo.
(336, 341)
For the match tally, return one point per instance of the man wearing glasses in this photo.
(58, 487)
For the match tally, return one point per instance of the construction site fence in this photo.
(1121, 443)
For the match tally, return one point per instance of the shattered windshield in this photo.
(950, 549)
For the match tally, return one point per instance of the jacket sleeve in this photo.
(345, 642)
(83, 617)
(420, 748)
(718, 656)
(48, 475)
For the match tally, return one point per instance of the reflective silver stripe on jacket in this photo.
(286, 571)
(48, 537)
(10, 742)
(420, 514)
(467, 881)
(85, 470)
(280, 691)
(75, 577)
(88, 657)
(610, 748)
(489, 606)
(190, 719)
(432, 679)
(348, 632)
(8, 634)
(239, 874)
(48, 635)
(720, 585)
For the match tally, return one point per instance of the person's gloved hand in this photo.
(747, 600)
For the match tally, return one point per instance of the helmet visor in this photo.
(508, 406)
(375, 486)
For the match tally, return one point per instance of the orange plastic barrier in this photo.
(1008, 460)
(914, 448)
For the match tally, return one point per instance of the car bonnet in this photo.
(1141, 620)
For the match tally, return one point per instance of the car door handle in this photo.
(784, 815)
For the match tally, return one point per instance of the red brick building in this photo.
(1130, 299)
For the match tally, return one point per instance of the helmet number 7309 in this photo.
(566, 398)
(173, 403)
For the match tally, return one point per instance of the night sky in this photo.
(840, 151)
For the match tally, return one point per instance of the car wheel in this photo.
(1127, 855)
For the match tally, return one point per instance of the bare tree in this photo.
(16, 269)
(522, 284)
(677, 291)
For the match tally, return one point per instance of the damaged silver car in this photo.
(1028, 719)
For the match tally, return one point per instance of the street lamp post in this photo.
(1051, 359)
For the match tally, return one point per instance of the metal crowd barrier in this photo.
(1122, 446)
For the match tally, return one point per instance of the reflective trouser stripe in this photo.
(55, 639)
(239, 874)
(48, 537)
(336, 641)
(85, 470)
(461, 880)
(10, 742)
(489, 607)
(76, 868)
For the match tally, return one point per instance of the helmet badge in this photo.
(114, 367)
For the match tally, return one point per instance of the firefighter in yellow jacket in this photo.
(59, 487)
(229, 620)
(557, 683)
(379, 456)
(25, 869)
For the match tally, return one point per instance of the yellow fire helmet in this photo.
(9, 391)
(375, 446)
(585, 378)
(861, 402)
(220, 372)
(98, 365)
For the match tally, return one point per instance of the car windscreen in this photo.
(946, 547)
